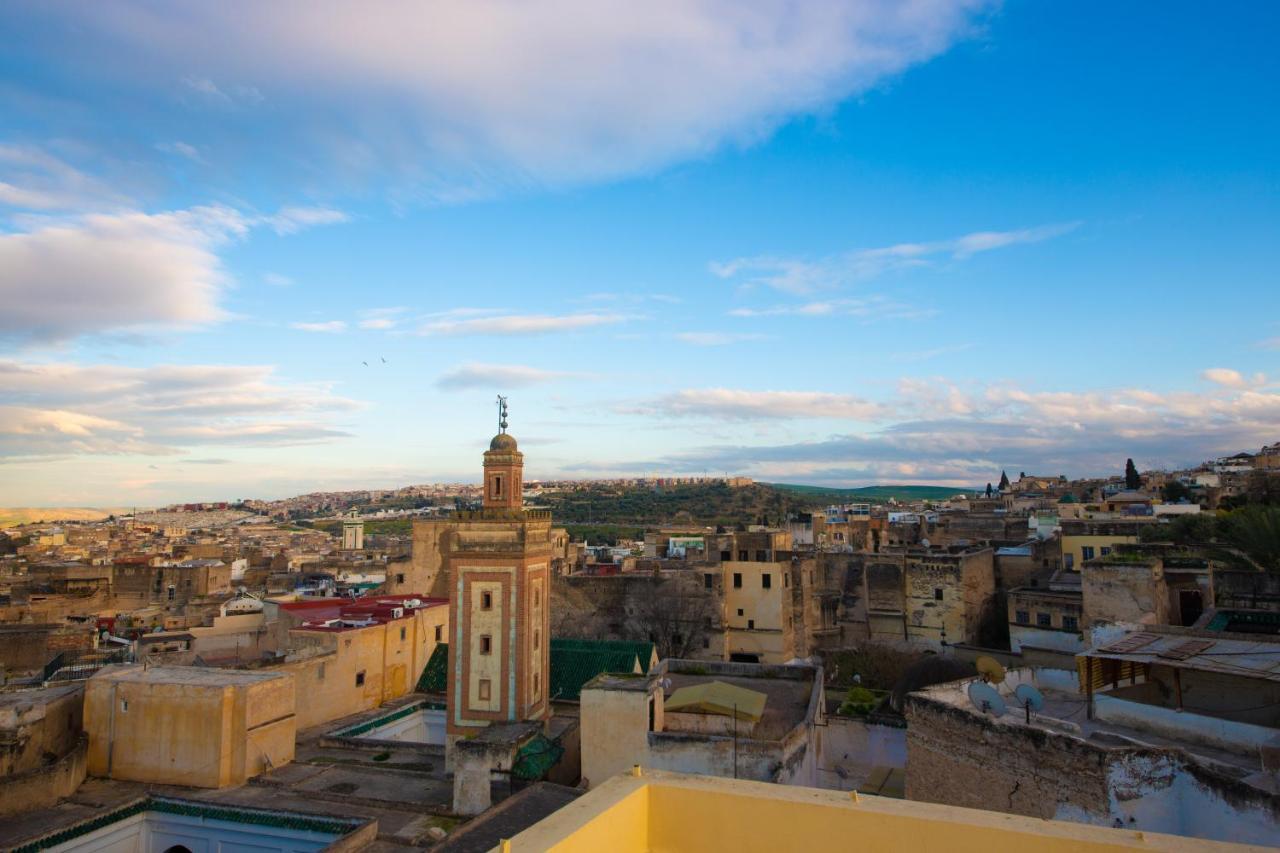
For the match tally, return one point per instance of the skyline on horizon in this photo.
(260, 251)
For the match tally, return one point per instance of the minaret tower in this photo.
(503, 468)
(499, 590)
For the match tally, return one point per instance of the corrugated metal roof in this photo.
(1243, 658)
(716, 697)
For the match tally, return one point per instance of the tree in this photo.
(988, 490)
(1131, 479)
(1004, 481)
(1174, 491)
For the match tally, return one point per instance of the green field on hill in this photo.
(873, 494)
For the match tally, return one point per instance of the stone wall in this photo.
(45, 786)
(38, 726)
(956, 757)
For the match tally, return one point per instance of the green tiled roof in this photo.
(435, 675)
(573, 664)
(644, 652)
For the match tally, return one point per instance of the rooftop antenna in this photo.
(502, 413)
(1030, 698)
(985, 698)
(990, 669)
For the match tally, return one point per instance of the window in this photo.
(751, 624)
(320, 673)
(439, 633)
(497, 487)
(486, 601)
(360, 678)
(537, 639)
(1044, 620)
(1070, 623)
(766, 581)
(762, 556)
(537, 598)
(486, 644)
(400, 577)
(737, 580)
(1022, 617)
(937, 593)
(124, 706)
(172, 592)
(402, 635)
(706, 642)
(707, 581)
(484, 688)
(742, 555)
(725, 555)
(1086, 552)
(1105, 550)
(739, 611)
(537, 685)
(709, 622)
(677, 640)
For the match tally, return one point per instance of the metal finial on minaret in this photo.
(502, 413)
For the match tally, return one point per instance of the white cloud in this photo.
(381, 319)
(63, 408)
(326, 326)
(497, 376)
(1229, 378)
(291, 220)
(517, 324)
(935, 431)
(458, 95)
(123, 272)
(872, 307)
(733, 404)
(800, 276)
(32, 178)
(182, 149)
(716, 339)
(1269, 343)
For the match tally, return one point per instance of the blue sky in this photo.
(837, 243)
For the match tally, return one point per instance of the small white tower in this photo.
(353, 532)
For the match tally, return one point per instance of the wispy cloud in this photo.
(735, 404)
(323, 326)
(381, 319)
(519, 324)
(799, 276)
(456, 101)
(717, 339)
(65, 408)
(874, 307)
(497, 376)
(1229, 378)
(277, 280)
(182, 149)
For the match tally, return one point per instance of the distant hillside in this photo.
(872, 493)
(14, 516)
(704, 504)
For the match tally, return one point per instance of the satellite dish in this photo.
(990, 669)
(985, 698)
(1030, 698)
(924, 543)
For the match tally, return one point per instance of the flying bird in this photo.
(384, 361)
(365, 363)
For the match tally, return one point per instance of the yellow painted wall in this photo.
(1073, 544)
(327, 688)
(764, 606)
(177, 732)
(674, 813)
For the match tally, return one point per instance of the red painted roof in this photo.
(376, 608)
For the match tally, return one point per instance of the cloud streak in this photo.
(497, 376)
(459, 323)
(800, 277)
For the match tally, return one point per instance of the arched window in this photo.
(178, 848)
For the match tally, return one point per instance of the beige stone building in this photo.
(197, 726)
